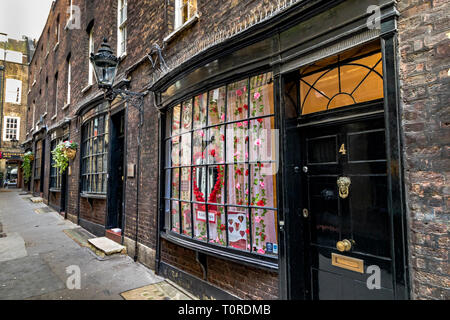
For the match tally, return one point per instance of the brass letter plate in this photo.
(348, 263)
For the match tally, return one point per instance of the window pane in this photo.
(217, 108)
(237, 142)
(187, 116)
(237, 187)
(185, 149)
(238, 100)
(263, 187)
(261, 95)
(216, 145)
(175, 183)
(175, 216)
(176, 121)
(216, 178)
(176, 151)
(186, 216)
(217, 226)
(200, 103)
(199, 156)
(264, 225)
(186, 184)
(263, 139)
(199, 184)
(238, 228)
(200, 231)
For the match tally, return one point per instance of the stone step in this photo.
(107, 246)
(36, 200)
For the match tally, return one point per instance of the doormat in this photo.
(158, 291)
(44, 210)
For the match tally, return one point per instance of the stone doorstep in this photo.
(107, 246)
(36, 200)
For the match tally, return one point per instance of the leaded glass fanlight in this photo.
(353, 77)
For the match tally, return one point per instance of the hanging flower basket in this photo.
(64, 152)
(71, 153)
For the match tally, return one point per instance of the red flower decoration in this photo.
(240, 110)
(260, 120)
(213, 153)
(246, 173)
(247, 231)
(222, 227)
(239, 172)
(261, 203)
(245, 107)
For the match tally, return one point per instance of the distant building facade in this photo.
(288, 149)
(15, 56)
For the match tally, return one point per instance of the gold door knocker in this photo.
(344, 185)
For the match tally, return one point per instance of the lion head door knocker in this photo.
(344, 186)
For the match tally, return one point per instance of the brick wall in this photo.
(424, 75)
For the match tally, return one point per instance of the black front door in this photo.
(116, 171)
(344, 186)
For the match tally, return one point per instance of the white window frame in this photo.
(69, 80)
(179, 6)
(17, 93)
(91, 50)
(6, 128)
(56, 95)
(122, 18)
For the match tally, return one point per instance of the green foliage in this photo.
(27, 166)
(60, 158)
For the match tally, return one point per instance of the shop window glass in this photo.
(222, 167)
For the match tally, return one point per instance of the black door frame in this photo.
(294, 281)
(112, 136)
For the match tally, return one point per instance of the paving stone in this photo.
(107, 246)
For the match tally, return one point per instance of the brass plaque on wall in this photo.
(352, 264)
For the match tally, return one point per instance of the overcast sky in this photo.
(24, 17)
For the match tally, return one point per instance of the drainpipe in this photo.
(138, 178)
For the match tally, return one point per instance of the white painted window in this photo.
(184, 11)
(91, 50)
(56, 95)
(11, 129)
(13, 91)
(122, 27)
(69, 80)
(11, 56)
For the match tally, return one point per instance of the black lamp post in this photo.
(105, 67)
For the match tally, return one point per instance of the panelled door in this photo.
(344, 189)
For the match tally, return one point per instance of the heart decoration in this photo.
(231, 229)
(230, 222)
(241, 219)
(237, 225)
(242, 233)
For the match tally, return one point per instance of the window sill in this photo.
(34, 83)
(67, 105)
(85, 89)
(54, 117)
(180, 29)
(56, 46)
(253, 260)
(93, 196)
(55, 190)
(122, 57)
(46, 56)
(44, 115)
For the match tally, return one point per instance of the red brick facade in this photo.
(423, 76)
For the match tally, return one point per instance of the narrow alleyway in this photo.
(36, 250)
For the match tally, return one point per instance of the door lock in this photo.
(305, 169)
(305, 213)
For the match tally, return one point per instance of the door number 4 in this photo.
(342, 150)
